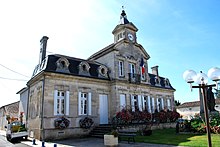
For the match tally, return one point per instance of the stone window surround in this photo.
(102, 70)
(84, 66)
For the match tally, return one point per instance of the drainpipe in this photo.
(27, 109)
(42, 110)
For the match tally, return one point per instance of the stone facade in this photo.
(68, 88)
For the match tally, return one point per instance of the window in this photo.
(61, 102)
(62, 65)
(120, 36)
(160, 105)
(121, 68)
(132, 68)
(135, 103)
(122, 101)
(103, 71)
(168, 104)
(84, 104)
(142, 73)
(144, 100)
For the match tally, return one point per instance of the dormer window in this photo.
(167, 82)
(102, 70)
(84, 68)
(157, 81)
(62, 65)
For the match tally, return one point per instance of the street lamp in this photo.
(202, 80)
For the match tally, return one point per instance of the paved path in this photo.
(85, 142)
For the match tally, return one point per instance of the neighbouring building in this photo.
(63, 89)
(10, 110)
(188, 109)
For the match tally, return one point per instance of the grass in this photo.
(169, 136)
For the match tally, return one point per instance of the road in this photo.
(5, 143)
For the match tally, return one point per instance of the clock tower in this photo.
(125, 30)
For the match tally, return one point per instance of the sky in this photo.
(178, 35)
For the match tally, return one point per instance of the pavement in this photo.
(84, 142)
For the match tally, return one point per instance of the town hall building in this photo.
(63, 90)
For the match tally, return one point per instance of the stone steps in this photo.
(100, 131)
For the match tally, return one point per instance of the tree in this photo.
(177, 103)
(217, 92)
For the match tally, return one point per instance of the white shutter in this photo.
(55, 102)
(122, 101)
(162, 104)
(79, 103)
(139, 103)
(89, 104)
(153, 105)
(67, 103)
(143, 105)
(149, 105)
(132, 103)
(168, 104)
(158, 105)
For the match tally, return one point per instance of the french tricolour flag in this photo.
(142, 66)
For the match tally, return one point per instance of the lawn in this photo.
(169, 136)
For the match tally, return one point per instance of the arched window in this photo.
(84, 68)
(167, 82)
(62, 65)
(157, 81)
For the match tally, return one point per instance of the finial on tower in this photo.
(123, 17)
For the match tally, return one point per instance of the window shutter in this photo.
(149, 105)
(162, 104)
(132, 103)
(79, 103)
(158, 105)
(139, 103)
(168, 104)
(55, 102)
(143, 105)
(89, 104)
(67, 98)
(122, 101)
(153, 105)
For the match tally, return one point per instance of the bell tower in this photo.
(125, 30)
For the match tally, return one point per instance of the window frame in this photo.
(121, 68)
(61, 102)
(84, 103)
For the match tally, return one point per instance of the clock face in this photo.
(130, 37)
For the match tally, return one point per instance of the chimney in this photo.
(43, 47)
(155, 70)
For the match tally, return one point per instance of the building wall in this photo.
(67, 83)
(189, 112)
(23, 104)
(42, 124)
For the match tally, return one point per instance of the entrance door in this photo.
(103, 109)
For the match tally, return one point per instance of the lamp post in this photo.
(201, 79)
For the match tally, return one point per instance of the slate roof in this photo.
(162, 82)
(51, 66)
